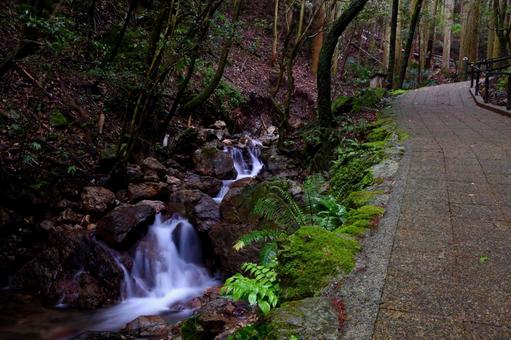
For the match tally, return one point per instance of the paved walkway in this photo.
(449, 274)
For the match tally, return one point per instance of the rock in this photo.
(158, 206)
(121, 226)
(206, 184)
(134, 173)
(208, 135)
(151, 176)
(214, 162)
(151, 163)
(200, 208)
(218, 317)
(174, 181)
(311, 318)
(65, 203)
(47, 225)
(236, 207)
(149, 190)
(147, 327)
(73, 267)
(97, 199)
(219, 124)
(69, 216)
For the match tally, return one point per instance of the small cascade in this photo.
(166, 271)
(243, 170)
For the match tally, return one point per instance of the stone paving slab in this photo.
(449, 271)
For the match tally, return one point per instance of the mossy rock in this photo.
(311, 257)
(58, 120)
(311, 318)
(366, 212)
(358, 199)
(368, 98)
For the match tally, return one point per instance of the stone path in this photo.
(449, 273)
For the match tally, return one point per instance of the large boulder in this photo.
(147, 191)
(147, 327)
(311, 318)
(206, 184)
(200, 208)
(122, 226)
(151, 163)
(74, 269)
(97, 200)
(213, 162)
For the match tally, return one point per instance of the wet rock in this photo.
(151, 176)
(65, 203)
(69, 216)
(219, 317)
(123, 224)
(134, 173)
(97, 199)
(278, 165)
(219, 124)
(158, 206)
(236, 206)
(151, 163)
(311, 318)
(208, 135)
(213, 162)
(47, 225)
(206, 184)
(149, 190)
(74, 269)
(98, 335)
(200, 208)
(147, 327)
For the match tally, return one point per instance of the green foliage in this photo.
(71, 170)
(35, 146)
(256, 332)
(360, 219)
(329, 212)
(311, 257)
(57, 119)
(357, 199)
(258, 236)
(368, 98)
(259, 288)
(398, 92)
(340, 102)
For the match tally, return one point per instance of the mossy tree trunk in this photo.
(324, 81)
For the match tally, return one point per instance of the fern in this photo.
(259, 289)
(281, 208)
(258, 236)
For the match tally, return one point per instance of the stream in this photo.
(167, 273)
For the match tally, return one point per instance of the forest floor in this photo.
(448, 274)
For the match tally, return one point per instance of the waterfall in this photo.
(166, 271)
(243, 170)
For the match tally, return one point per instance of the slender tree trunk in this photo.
(392, 46)
(324, 81)
(431, 35)
(275, 41)
(448, 23)
(469, 31)
(317, 42)
(120, 38)
(409, 40)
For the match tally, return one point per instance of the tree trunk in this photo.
(120, 38)
(501, 31)
(431, 36)
(317, 42)
(469, 31)
(392, 46)
(448, 23)
(325, 61)
(409, 40)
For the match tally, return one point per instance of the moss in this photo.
(351, 230)
(57, 119)
(359, 198)
(258, 331)
(398, 92)
(380, 133)
(366, 212)
(191, 329)
(368, 98)
(342, 104)
(311, 257)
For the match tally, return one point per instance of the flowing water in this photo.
(166, 272)
(243, 169)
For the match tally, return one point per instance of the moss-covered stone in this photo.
(57, 119)
(366, 212)
(311, 318)
(352, 230)
(368, 98)
(311, 257)
(358, 199)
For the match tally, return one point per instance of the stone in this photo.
(200, 208)
(310, 318)
(69, 216)
(134, 173)
(219, 124)
(151, 163)
(65, 203)
(151, 176)
(147, 327)
(213, 162)
(149, 190)
(206, 184)
(47, 225)
(158, 206)
(97, 200)
(123, 224)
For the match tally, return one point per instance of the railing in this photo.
(489, 69)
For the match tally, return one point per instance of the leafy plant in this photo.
(259, 288)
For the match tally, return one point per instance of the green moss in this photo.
(380, 133)
(368, 98)
(57, 119)
(340, 102)
(359, 198)
(191, 329)
(310, 258)
(366, 212)
(351, 230)
(398, 92)
(259, 332)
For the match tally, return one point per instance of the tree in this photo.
(324, 81)
(409, 40)
(448, 23)
(392, 48)
(469, 30)
(501, 28)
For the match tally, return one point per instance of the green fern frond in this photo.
(258, 236)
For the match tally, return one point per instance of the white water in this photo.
(166, 271)
(243, 170)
